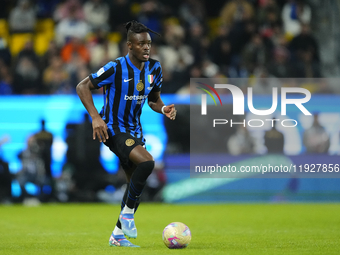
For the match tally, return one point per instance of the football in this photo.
(176, 235)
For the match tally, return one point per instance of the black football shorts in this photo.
(122, 144)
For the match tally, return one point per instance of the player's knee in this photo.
(147, 166)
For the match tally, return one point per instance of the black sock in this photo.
(118, 224)
(138, 181)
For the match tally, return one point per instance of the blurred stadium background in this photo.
(47, 47)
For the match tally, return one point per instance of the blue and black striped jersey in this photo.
(126, 88)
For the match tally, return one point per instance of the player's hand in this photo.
(99, 129)
(170, 111)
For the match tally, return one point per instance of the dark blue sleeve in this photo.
(104, 76)
(158, 79)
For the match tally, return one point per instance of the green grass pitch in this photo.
(216, 229)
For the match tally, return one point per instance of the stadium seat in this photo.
(44, 34)
(3, 27)
(172, 21)
(311, 86)
(4, 33)
(135, 8)
(115, 37)
(214, 24)
(17, 42)
(45, 26)
(41, 43)
(289, 37)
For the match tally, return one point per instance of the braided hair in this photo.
(134, 27)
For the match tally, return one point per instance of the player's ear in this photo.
(129, 44)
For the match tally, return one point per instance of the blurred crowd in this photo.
(315, 139)
(83, 177)
(48, 46)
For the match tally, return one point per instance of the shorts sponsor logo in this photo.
(129, 142)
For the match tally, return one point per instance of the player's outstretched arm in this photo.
(99, 126)
(155, 102)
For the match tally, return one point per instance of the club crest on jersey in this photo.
(140, 86)
(150, 78)
(129, 142)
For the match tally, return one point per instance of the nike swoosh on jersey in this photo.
(125, 80)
